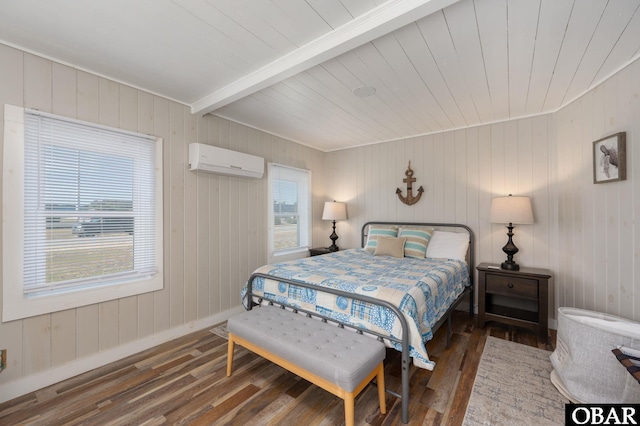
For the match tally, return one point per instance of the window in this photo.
(83, 213)
(290, 209)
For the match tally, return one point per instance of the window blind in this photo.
(89, 207)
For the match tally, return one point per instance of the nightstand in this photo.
(519, 298)
(319, 251)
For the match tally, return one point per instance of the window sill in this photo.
(16, 306)
(284, 255)
(290, 251)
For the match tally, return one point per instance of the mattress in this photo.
(423, 290)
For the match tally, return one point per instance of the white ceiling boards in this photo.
(289, 67)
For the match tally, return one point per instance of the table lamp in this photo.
(334, 211)
(511, 210)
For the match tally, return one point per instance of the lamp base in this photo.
(334, 237)
(510, 266)
(510, 249)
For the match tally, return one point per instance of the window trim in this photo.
(278, 255)
(15, 304)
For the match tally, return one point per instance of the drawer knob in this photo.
(510, 285)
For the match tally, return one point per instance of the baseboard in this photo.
(59, 373)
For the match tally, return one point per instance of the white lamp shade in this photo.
(511, 210)
(334, 211)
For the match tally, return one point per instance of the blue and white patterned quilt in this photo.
(423, 289)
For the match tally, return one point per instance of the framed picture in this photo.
(610, 159)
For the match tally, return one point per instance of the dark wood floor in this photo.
(184, 382)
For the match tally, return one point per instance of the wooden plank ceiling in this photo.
(289, 67)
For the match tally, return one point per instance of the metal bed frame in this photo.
(404, 341)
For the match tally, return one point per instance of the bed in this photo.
(399, 297)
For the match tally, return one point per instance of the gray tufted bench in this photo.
(337, 360)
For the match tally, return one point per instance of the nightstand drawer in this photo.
(512, 286)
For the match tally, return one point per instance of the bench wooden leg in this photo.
(230, 349)
(349, 409)
(381, 391)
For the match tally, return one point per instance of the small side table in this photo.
(519, 298)
(319, 251)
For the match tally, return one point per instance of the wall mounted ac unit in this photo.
(222, 161)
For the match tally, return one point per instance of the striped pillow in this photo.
(417, 241)
(375, 232)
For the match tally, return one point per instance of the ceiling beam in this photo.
(377, 22)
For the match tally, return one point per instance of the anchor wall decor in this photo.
(409, 199)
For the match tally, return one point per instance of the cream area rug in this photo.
(221, 330)
(512, 387)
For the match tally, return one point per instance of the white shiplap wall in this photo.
(215, 233)
(586, 234)
(215, 226)
(460, 172)
(599, 232)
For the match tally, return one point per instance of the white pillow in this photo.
(448, 245)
